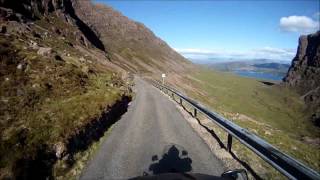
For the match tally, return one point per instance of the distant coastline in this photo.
(259, 75)
(266, 69)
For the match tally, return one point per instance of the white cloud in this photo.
(259, 53)
(301, 24)
(194, 51)
(274, 53)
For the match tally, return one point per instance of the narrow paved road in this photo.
(152, 126)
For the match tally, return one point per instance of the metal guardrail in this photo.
(285, 164)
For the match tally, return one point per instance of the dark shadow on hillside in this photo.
(93, 131)
(171, 162)
(83, 27)
(41, 166)
(267, 83)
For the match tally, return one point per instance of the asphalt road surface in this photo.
(151, 138)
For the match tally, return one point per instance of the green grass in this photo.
(46, 100)
(275, 113)
(81, 158)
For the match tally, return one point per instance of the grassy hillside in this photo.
(51, 87)
(273, 112)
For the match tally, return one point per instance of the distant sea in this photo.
(259, 75)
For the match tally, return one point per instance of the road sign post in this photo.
(163, 76)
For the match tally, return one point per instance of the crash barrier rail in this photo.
(285, 164)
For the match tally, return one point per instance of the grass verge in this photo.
(275, 113)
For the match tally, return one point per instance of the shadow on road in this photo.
(171, 162)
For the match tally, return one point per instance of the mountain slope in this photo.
(131, 44)
(58, 90)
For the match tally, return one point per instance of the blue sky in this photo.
(226, 29)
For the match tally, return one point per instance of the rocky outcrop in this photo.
(83, 27)
(23, 10)
(304, 73)
(33, 9)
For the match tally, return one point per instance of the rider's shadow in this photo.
(171, 162)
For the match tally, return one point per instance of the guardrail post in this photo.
(195, 113)
(229, 145)
(180, 101)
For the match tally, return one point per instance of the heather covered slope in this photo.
(130, 44)
(55, 87)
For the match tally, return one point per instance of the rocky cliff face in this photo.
(304, 73)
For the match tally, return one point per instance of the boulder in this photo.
(44, 51)
(81, 59)
(19, 66)
(33, 45)
(60, 150)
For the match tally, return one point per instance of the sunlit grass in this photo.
(275, 113)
